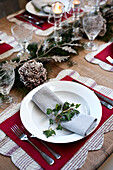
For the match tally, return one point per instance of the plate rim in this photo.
(36, 13)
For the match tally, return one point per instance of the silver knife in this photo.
(109, 103)
(104, 98)
(106, 104)
(35, 23)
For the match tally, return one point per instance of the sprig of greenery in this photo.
(62, 113)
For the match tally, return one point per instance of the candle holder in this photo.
(74, 9)
(55, 18)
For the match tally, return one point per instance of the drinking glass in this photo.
(92, 25)
(23, 35)
(7, 78)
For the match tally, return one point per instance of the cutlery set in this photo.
(105, 102)
(32, 20)
(23, 135)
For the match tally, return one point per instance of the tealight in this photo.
(57, 9)
(76, 3)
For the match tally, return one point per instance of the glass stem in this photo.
(24, 47)
(57, 27)
(91, 43)
(6, 98)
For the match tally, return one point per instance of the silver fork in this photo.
(22, 136)
(54, 153)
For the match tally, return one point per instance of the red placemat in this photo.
(43, 26)
(5, 47)
(108, 51)
(66, 151)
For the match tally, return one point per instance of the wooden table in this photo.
(102, 77)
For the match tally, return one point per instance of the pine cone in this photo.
(32, 74)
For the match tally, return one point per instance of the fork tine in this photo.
(22, 136)
(16, 130)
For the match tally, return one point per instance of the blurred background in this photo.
(10, 6)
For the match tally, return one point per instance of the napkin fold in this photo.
(81, 124)
(42, 5)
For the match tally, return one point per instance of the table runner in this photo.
(10, 46)
(95, 143)
(99, 56)
(37, 30)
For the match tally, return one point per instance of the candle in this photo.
(57, 9)
(76, 3)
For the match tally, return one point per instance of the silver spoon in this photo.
(32, 22)
(31, 17)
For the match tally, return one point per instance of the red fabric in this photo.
(4, 48)
(44, 26)
(108, 51)
(65, 150)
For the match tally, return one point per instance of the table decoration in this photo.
(32, 74)
(74, 9)
(56, 15)
(48, 49)
(78, 159)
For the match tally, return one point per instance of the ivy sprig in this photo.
(62, 113)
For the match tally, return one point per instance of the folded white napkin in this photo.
(81, 124)
(42, 5)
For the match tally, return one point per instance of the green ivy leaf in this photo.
(58, 107)
(49, 111)
(59, 127)
(72, 104)
(68, 115)
(77, 106)
(51, 121)
(66, 106)
(49, 132)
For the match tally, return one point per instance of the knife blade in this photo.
(35, 23)
(104, 98)
(109, 103)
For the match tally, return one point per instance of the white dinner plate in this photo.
(35, 121)
(30, 8)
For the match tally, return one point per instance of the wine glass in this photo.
(23, 35)
(7, 78)
(92, 25)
